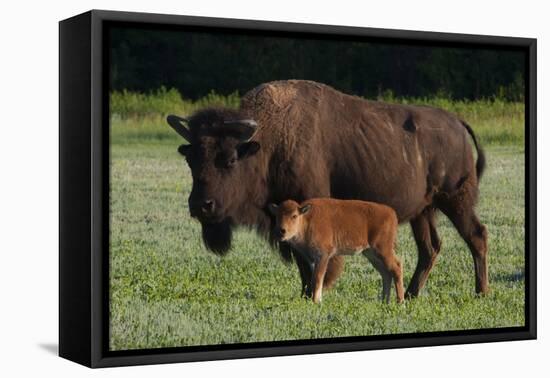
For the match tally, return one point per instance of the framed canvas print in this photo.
(234, 188)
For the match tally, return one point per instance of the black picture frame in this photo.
(83, 195)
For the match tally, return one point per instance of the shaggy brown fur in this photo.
(301, 139)
(323, 228)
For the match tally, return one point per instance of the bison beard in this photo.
(217, 236)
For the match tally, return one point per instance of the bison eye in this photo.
(231, 162)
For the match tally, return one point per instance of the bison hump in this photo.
(278, 94)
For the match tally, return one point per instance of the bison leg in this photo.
(475, 235)
(429, 246)
(459, 208)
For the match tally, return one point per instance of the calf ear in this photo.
(247, 149)
(184, 149)
(272, 208)
(304, 209)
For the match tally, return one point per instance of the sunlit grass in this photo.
(167, 290)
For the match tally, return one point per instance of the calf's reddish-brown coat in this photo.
(323, 228)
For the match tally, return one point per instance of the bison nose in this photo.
(282, 231)
(208, 206)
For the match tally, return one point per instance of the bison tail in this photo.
(480, 164)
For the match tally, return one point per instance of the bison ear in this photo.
(184, 149)
(272, 208)
(178, 124)
(304, 209)
(247, 149)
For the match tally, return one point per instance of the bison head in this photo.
(219, 153)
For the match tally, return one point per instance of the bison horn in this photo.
(177, 123)
(245, 128)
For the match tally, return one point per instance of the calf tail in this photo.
(480, 164)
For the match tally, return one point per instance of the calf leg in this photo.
(334, 270)
(386, 285)
(335, 267)
(429, 246)
(395, 268)
(377, 263)
(390, 268)
(320, 269)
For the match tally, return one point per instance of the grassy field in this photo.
(167, 290)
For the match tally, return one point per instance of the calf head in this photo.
(288, 219)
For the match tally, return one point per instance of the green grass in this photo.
(141, 116)
(167, 290)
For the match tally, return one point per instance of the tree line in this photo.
(197, 63)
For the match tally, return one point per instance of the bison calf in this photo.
(323, 228)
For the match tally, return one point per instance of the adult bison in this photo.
(300, 139)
